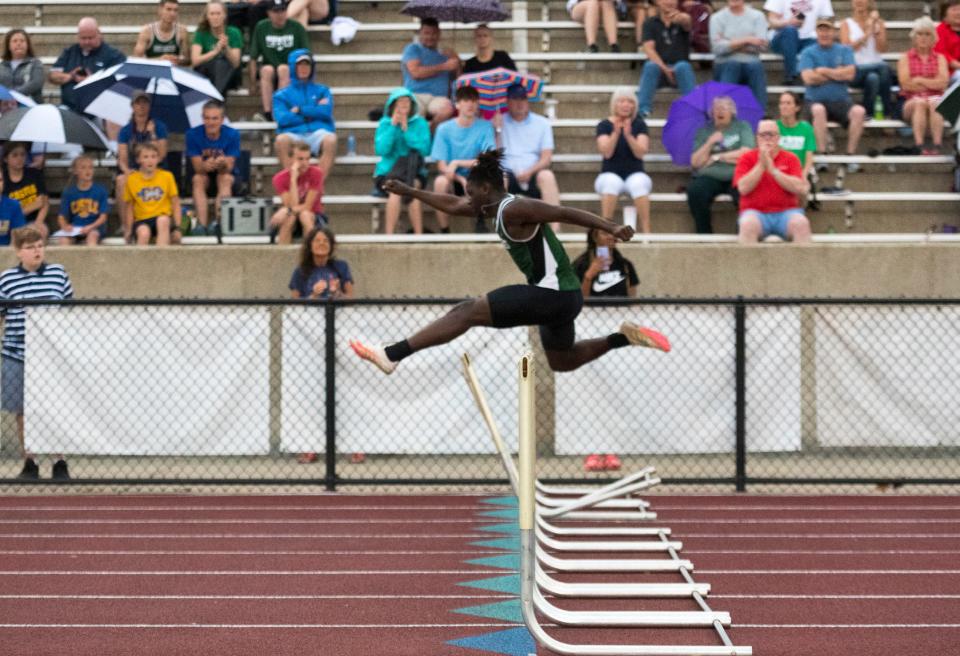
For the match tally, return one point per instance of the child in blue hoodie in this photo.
(304, 112)
(401, 131)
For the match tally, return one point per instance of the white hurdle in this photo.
(532, 600)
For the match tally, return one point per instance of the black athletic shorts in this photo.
(513, 187)
(527, 305)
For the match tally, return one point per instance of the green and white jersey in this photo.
(541, 258)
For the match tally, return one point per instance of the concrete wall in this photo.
(454, 270)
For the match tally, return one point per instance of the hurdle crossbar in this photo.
(622, 531)
(617, 590)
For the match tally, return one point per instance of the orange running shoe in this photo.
(611, 462)
(593, 462)
(358, 457)
(375, 354)
(307, 458)
(646, 337)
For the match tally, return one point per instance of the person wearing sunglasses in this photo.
(770, 181)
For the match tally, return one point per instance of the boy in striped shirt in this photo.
(32, 279)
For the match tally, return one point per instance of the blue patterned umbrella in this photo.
(458, 11)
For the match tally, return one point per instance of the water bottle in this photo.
(878, 109)
(351, 145)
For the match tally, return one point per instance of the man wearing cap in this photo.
(793, 28)
(304, 112)
(274, 38)
(827, 68)
(141, 129)
(427, 71)
(527, 141)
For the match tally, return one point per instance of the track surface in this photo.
(370, 575)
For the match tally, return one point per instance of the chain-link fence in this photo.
(786, 392)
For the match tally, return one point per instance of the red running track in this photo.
(350, 575)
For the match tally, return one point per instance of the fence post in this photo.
(740, 374)
(330, 350)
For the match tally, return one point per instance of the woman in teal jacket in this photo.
(401, 131)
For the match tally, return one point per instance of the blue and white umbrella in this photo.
(177, 94)
(49, 124)
(22, 100)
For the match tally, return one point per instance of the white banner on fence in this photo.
(169, 380)
(883, 382)
(425, 406)
(641, 401)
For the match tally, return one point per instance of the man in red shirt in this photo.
(770, 181)
(300, 187)
(948, 37)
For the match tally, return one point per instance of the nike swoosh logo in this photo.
(603, 286)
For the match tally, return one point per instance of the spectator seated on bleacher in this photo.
(217, 48)
(527, 142)
(306, 12)
(274, 38)
(603, 270)
(141, 129)
(796, 136)
(87, 56)
(152, 200)
(20, 69)
(699, 11)
(666, 42)
(455, 149)
(793, 28)
(591, 13)
(827, 68)
(623, 140)
(738, 34)
(716, 148)
(165, 38)
(770, 183)
(213, 150)
(304, 112)
(84, 207)
(402, 141)
(924, 76)
(26, 185)
(245, 14)
(866, 34)
(485, 56)
(427, 72)
(300, 187)
(948, 36)
(11, 216)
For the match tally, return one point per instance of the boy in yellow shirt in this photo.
(152, 200)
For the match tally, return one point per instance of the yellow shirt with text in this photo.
(151, 197)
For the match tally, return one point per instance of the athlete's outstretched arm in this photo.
(529, 211)
(447, 203)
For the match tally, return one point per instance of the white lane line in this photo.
(259, 626)
(174, 520)
(835, 596)
(734, 508)
(96, 597)
(911, 572)
(436, 536)
(815, 520)
(808, 552)
(846, 626)
(375, 572)
(137, 552)
(244, 536)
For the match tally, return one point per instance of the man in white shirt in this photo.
(527, 141)
(793, 24)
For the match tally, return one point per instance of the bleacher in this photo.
(890, 194)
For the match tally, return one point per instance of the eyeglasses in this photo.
(768, 135)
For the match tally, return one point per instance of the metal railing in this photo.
(786, 392)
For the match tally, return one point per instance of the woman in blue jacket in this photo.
(303, 111)
(402, 140)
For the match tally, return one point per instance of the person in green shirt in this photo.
(274, 38)
(217, 48)
(796, 136)
(716, 149)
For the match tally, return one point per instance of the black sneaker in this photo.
(60, 471)
(480, 227)
(592, 48)
(30, 471)
(614, 47)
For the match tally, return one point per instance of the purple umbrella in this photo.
(458, 11)
(691, 112)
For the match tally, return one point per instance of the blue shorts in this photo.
(772, 223)
(313, 139)
(11, 385)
